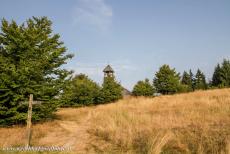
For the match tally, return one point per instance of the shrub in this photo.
(81, 91)
(143, 88)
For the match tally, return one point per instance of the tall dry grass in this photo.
(197, 122)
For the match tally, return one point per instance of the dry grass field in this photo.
(193, 123)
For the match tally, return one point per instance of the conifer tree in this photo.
(187, 81)
(216, 78)
(200, 81)
(111, 90)
(167, 80)
(225, 73)
(31, 57)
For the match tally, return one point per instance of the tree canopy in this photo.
(216, 78)
(81, 91)
(200, 81)
(143, 88)
(167, 80)
(225, 73)
(111, 90)
(187, 81)
(31, 57)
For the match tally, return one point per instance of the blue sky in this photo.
(135, 36)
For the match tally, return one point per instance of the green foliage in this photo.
(143, 88)
(225, 73)
(81, 91)
(200, 81)
(167, 80)
(221, 75)
(31, 57)
(216, 78)
(111, 90)
(183, 88)
(187, 82)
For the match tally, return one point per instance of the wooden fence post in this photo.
(29, 123)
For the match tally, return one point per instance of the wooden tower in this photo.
(108, 71)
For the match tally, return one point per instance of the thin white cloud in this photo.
(94, 13)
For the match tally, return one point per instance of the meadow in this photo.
(191, 123)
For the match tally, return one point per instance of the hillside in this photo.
(196, 122)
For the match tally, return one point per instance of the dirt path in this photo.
(69, 133)
(77, 133)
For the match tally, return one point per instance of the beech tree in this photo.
(31, 57)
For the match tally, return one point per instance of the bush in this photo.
(80, 91)
(143, 88)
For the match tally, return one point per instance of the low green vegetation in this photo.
(143, 88)
(80, 91)
(83, 91)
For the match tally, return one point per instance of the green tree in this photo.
(81, 91)
(111, 90)
(216, 78)
(187, 81)
(225, 73)
(200, 81)
(143, 88)
(31, 59)
(167, 80)
(192, 79)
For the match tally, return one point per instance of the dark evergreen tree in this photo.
(111, 90)
(167, 80)
(187, 82)
(192, 79)
(200, 81)
(143, 88)
(186, 79)
(225, 73)
(31, 57)
(216, 78)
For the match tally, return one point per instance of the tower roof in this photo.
(108, 68)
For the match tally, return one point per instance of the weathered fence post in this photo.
(29, 123)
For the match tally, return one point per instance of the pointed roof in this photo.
(108, 68)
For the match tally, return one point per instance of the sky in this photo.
(135, 37)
